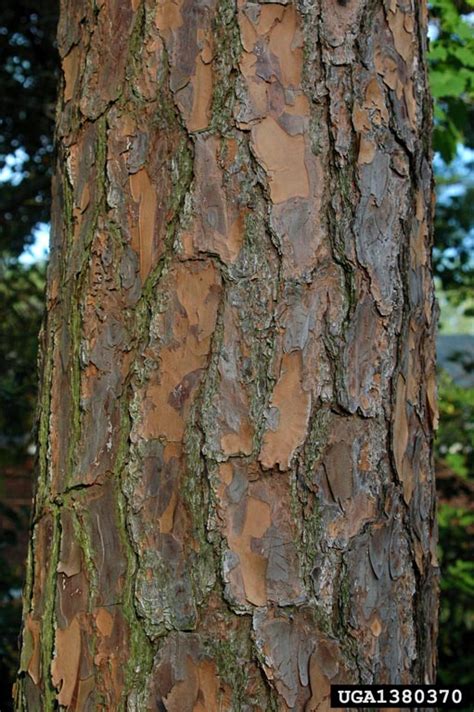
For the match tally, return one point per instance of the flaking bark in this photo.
(235, 504)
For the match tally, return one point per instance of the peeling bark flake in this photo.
(65, 666)
(292, 406)
(283, 157)
(144, 193)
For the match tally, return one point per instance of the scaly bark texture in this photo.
(235, 505)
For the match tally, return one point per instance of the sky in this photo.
(39, 250)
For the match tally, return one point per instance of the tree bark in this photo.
(235, 504)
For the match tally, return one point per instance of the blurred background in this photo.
(28, 77)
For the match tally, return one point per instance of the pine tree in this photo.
(235, 502)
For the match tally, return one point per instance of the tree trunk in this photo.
(235, 504)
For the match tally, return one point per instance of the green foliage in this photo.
(21, 309)
(451, 60)
(455, 450)
(455, 439)
(453, 259)
(456, 624)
